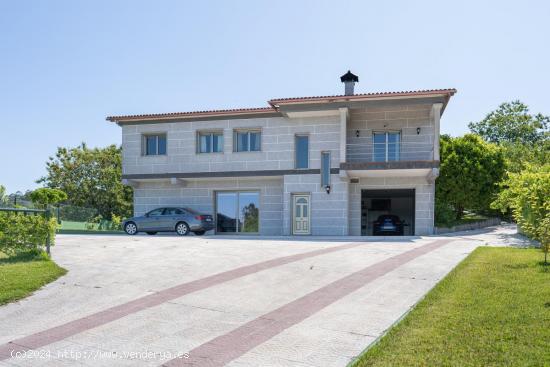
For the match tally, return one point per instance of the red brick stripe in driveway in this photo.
(71, 328)
(225, 348)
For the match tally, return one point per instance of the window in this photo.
(302, 151)
(237, 212)
(325, 169)
(173, 211)
(247, 141)
(154, 144)
(155, 213)
(386, 146)
(210, 142)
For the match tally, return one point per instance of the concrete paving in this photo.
(209, 301)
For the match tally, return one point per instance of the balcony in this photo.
(390, 156)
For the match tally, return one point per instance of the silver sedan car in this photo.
(179, 220)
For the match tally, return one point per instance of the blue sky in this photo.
(65, 65)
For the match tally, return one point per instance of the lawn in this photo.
(492, 310)
(22, 274)
(80, 227)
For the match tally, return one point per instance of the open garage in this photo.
(387, 212)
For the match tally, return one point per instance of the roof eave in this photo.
(275, 103)
(191, 116)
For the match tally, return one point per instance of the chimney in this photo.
(349, 81)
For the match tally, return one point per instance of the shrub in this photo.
(444, 214)
(527, 194)
(20, 233)
(116, 222)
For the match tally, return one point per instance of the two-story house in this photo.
(327, 165)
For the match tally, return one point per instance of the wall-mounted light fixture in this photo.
(327, 188)
(417, 131)
(356, 133)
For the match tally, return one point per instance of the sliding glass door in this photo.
(237, 212)
(386, 146)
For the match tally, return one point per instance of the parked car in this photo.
(179, 220)
(387, 225)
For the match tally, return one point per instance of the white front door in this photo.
(301, 214)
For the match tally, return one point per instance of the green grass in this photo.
(492, 310)
(22, 274)
(73, 226)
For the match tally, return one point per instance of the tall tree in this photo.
(469, 173)
(90, 178)
(512, 123)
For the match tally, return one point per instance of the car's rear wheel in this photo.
(182, 229)
(151, 233)
(199, 233)
(130, 228)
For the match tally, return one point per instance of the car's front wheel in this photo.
(130, 228)
(182, 229)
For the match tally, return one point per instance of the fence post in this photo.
(48, 216)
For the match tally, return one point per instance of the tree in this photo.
(469, 173)
(512, 123)
(91, 178)
(46, 196)
(527, 194)
(518, 156)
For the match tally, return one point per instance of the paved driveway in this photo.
(207, 301)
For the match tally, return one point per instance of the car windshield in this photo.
(388, 217)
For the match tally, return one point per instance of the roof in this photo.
(190, 114)
(376, 95)
(275, 104)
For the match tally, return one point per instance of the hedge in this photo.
(20, 233)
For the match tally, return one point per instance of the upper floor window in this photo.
(302, 151)
(247, 140)
(386, 146)
(154, 144)
(210, 142)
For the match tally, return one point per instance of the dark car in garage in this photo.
(388, 225)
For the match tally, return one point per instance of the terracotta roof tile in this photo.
(193, 113)
(449, 91)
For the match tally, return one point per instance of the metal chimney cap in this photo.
(349, 77)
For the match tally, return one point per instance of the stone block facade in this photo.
(184, 177)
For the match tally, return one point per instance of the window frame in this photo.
(386, 144)
(211, 134)
(237, 208)
(296, 136)
(236, 133)
(328, 153)
(144, 138)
